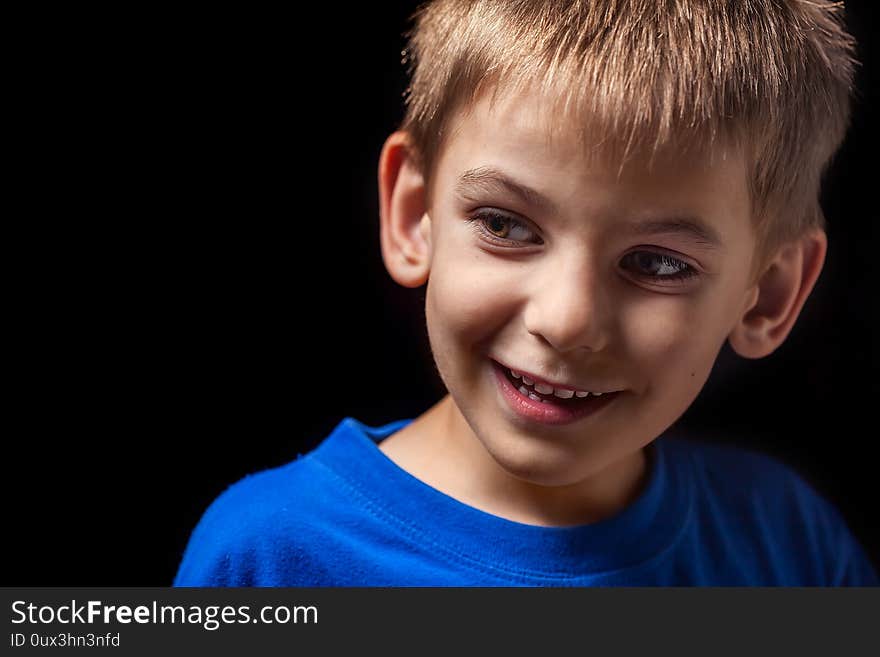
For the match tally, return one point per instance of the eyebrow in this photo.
(693, 227)
(489, 179)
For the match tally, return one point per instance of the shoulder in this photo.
(741, 474)
(743, 481)
(726, 460)
(757, 496)
(261, 521)
(259, 498)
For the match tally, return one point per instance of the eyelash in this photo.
(686, 271)
(479, 220)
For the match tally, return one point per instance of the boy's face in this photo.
(570, 288)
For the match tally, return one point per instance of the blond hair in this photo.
(774, 76)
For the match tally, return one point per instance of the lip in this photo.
(548, 412)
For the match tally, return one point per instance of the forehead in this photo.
(543, 127)
(527, 140)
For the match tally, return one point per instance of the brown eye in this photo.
(502, 230)
(498, 226)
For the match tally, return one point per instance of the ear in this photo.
(405, 227)
(779, 295)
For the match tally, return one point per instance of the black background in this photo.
(195, 289)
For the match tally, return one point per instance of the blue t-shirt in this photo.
(346, 515)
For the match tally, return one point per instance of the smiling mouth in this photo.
(532, 393)
(546, 408)
(542, 390)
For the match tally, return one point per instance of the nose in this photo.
(568, 307)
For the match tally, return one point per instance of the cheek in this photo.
(466, 300)
(673, 342)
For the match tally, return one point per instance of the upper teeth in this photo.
(564, 393)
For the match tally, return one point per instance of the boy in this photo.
(598, 196)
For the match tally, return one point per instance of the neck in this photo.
(442, 450)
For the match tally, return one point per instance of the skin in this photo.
(564, 302)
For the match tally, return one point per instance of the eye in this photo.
(652, 266)
(502, 229)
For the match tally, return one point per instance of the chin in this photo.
(541, 465)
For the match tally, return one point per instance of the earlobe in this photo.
(775, 302)
(405, 231)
